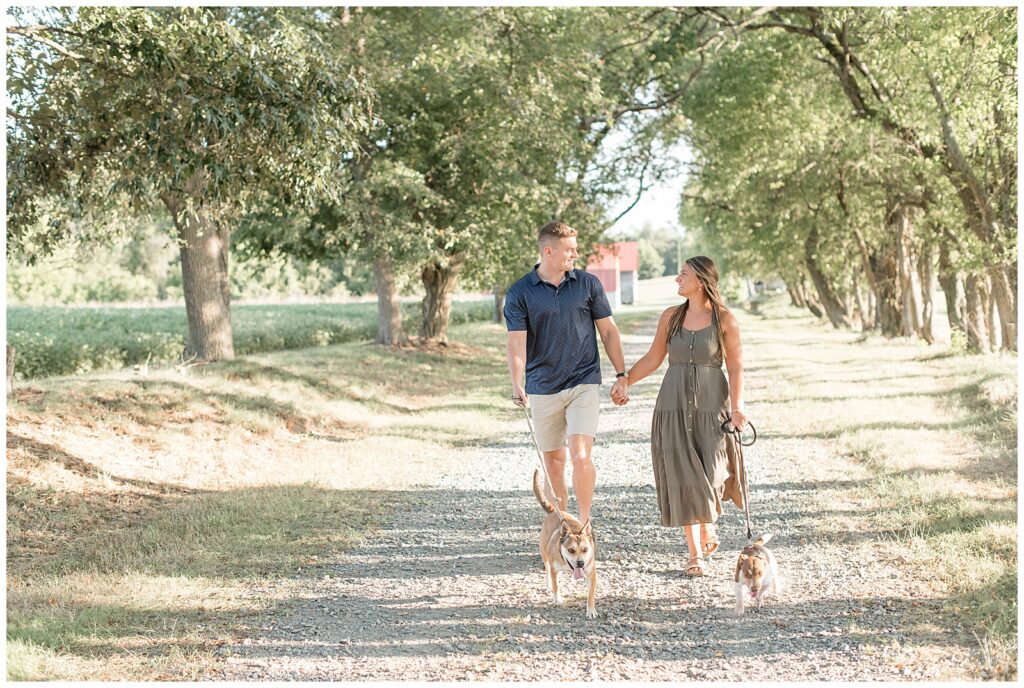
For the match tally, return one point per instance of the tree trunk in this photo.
(834, 308)
(952, 290)
(794, 294)
(389, 311)
(204, 247)
(925, 267)
(909, 286)
(974, 315)
(866, 260)
(1004, 295)
(862, 311)
(979, 207)
(10, 368)
(499, 304)
(846, 301)
(873, 308)
(809, 299)
(439, 282)
(889, 314)
(988, 304)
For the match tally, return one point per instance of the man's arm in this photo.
(612, 343)
(517, 322)
(516, 347)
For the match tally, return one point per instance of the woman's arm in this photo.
(655, 356)
(734, 364)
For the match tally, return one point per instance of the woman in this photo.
(695, 465)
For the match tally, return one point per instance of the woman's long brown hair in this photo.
(707, 272)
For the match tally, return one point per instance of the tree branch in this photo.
(646, 38)
(990, 230)
(33, 34)
(639, 193)
(618, 113)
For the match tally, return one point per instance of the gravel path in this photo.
(452, 588)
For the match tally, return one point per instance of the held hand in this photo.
(739, 419)
(519, 396)
(619, 392)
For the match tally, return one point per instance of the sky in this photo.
(659, 205)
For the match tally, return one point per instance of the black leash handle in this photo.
(729, 429)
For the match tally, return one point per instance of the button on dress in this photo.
(695, 464)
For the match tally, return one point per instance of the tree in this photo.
(206, 111)
(923, 76)
(790, 176)
(491, 122)
(651, 262)
(529, 146)
(456, 160)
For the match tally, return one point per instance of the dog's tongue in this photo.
(577, 573)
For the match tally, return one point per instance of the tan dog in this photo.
(756, 572)
(566, 546)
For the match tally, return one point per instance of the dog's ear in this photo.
(565, 529)
(739, 566)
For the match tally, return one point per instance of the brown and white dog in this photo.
(756, 572)
(566, 545)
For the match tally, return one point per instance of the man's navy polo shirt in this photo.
(561, 345)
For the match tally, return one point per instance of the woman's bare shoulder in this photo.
(729, 321)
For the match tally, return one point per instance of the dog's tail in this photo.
(539, 491)
(763, 540)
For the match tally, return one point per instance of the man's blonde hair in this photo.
(553, 231)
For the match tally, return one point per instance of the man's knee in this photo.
(581, 457)
(554, 460)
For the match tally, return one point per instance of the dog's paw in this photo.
(739, 611)
(556, 598)
(591, 613)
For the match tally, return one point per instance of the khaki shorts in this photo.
(569, 412)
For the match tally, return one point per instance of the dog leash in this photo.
(544, 468)
(729, 429)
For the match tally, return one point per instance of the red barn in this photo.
(617, 266)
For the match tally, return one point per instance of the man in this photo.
(551, 314)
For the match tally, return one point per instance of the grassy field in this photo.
(65, 340)
(151, 517)
(144, 511)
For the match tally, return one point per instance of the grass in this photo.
(143, 511)
(172, 585)
(65, 340)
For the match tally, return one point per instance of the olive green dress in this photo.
(695, 463)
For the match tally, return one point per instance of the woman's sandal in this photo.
(710, 546)
(695, 567)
